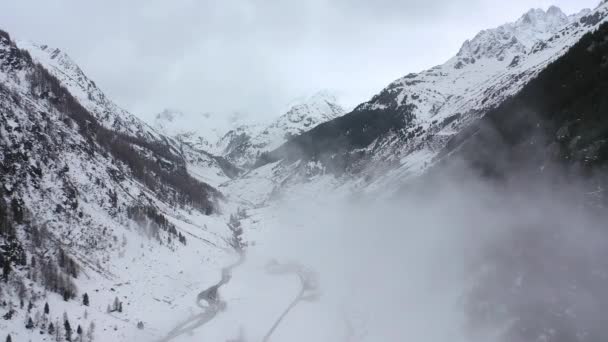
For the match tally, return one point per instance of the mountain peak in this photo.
(72, 77)
(323, 95)
(516, 37)
(322, 105)
(320, 96)
(243, 145)
(555, 11)
(532, 15)
(54, 56)
(536, 16)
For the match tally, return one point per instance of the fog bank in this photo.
(447, 260)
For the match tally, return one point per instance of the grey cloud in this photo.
(254, 55)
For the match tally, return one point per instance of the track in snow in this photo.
(309, 290)
(213, 306)
(211, 303)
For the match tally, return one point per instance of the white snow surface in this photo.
(159, 283)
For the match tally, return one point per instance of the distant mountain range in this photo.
(241, 141)
(402, 130)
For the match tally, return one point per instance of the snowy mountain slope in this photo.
(458, 111)
(194, 148)
(203, 166)
(88, 209)
(557, 118)
(566, 104)
(167, 121)
(60, 65)
(488, 68)
(400, 131)
(238, 139)
(244, 144)
(202, 131)
(124, 224)
(301, 117)
(241, 141)
(555, 130)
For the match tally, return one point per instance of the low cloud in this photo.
(254, 56)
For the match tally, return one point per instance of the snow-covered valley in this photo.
(316, 225)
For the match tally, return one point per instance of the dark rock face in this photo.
(561, 116)
(401, 119)
(548, 279)
(333, 140)
(591, 20)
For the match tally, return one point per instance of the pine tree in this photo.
(116, 304)
(120, 307)
(61, 258)
(68, 330)
(9, 315)
(6, 270)
(9, 338)
(51, 329)
(85, 299)
(79, 330)
(29, 324)
(46, 308)
(22, 258)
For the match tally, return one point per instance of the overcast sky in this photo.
(254, 56)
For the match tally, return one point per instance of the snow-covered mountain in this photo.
(201, 130)
(92, 201)
(95, 201)
(400, 132)
(61, 66)
(301, 117)
(555, 121)
(185, 133)
(240, 140)
(495, 60)
(204, 166)
(244, 144)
